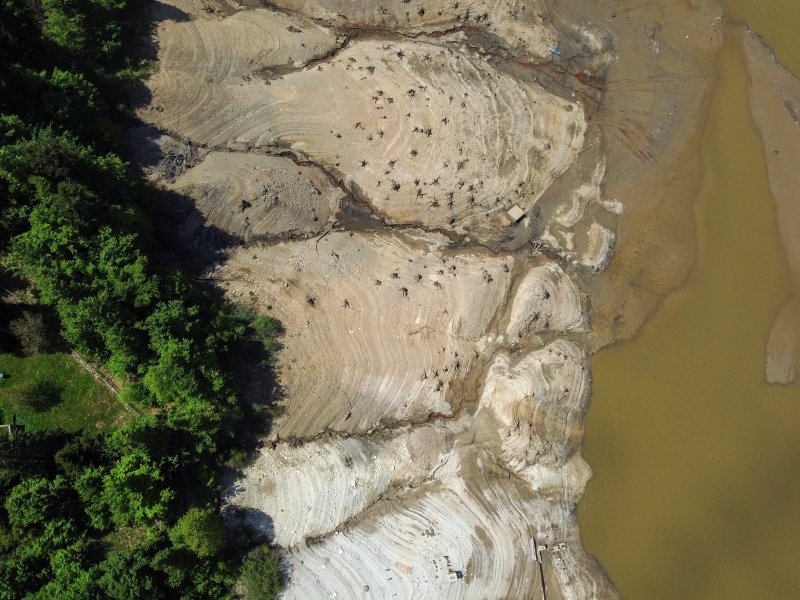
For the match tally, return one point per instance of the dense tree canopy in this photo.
(130, 513)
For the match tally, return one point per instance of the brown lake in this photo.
(696, 492)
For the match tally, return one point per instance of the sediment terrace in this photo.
(775, 106)
(360, 159)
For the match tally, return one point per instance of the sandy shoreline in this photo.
(652, 118)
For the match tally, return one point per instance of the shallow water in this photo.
(696, 491)
(777, 21)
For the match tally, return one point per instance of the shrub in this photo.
(261, 575)
(267, 331)
(31, 332)
(202, 531)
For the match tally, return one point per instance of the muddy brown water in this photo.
(696, 492)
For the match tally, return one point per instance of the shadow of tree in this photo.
(184, 234)
(255, 524)
(159, 11)
(41, 396)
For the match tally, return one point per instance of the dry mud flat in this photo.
(775, 105)
(435, 373)
(653, 113)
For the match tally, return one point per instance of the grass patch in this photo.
(126, 538)
(143, 69)
(51, 391)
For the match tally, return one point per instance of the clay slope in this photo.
(407, 125)
(775, 105)
(400, 515)
(402, 497)
(253, 196)
(203, 61)
(435, 369)
(538, 402)
(378, 327)
(546, 287)
(479, 528)
(349, 476)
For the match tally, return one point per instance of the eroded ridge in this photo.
(435, 370)
(522, 27)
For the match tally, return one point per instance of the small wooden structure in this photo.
(537, 554)
(11, 428)
(516, 214)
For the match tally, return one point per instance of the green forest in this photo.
(131, 509)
